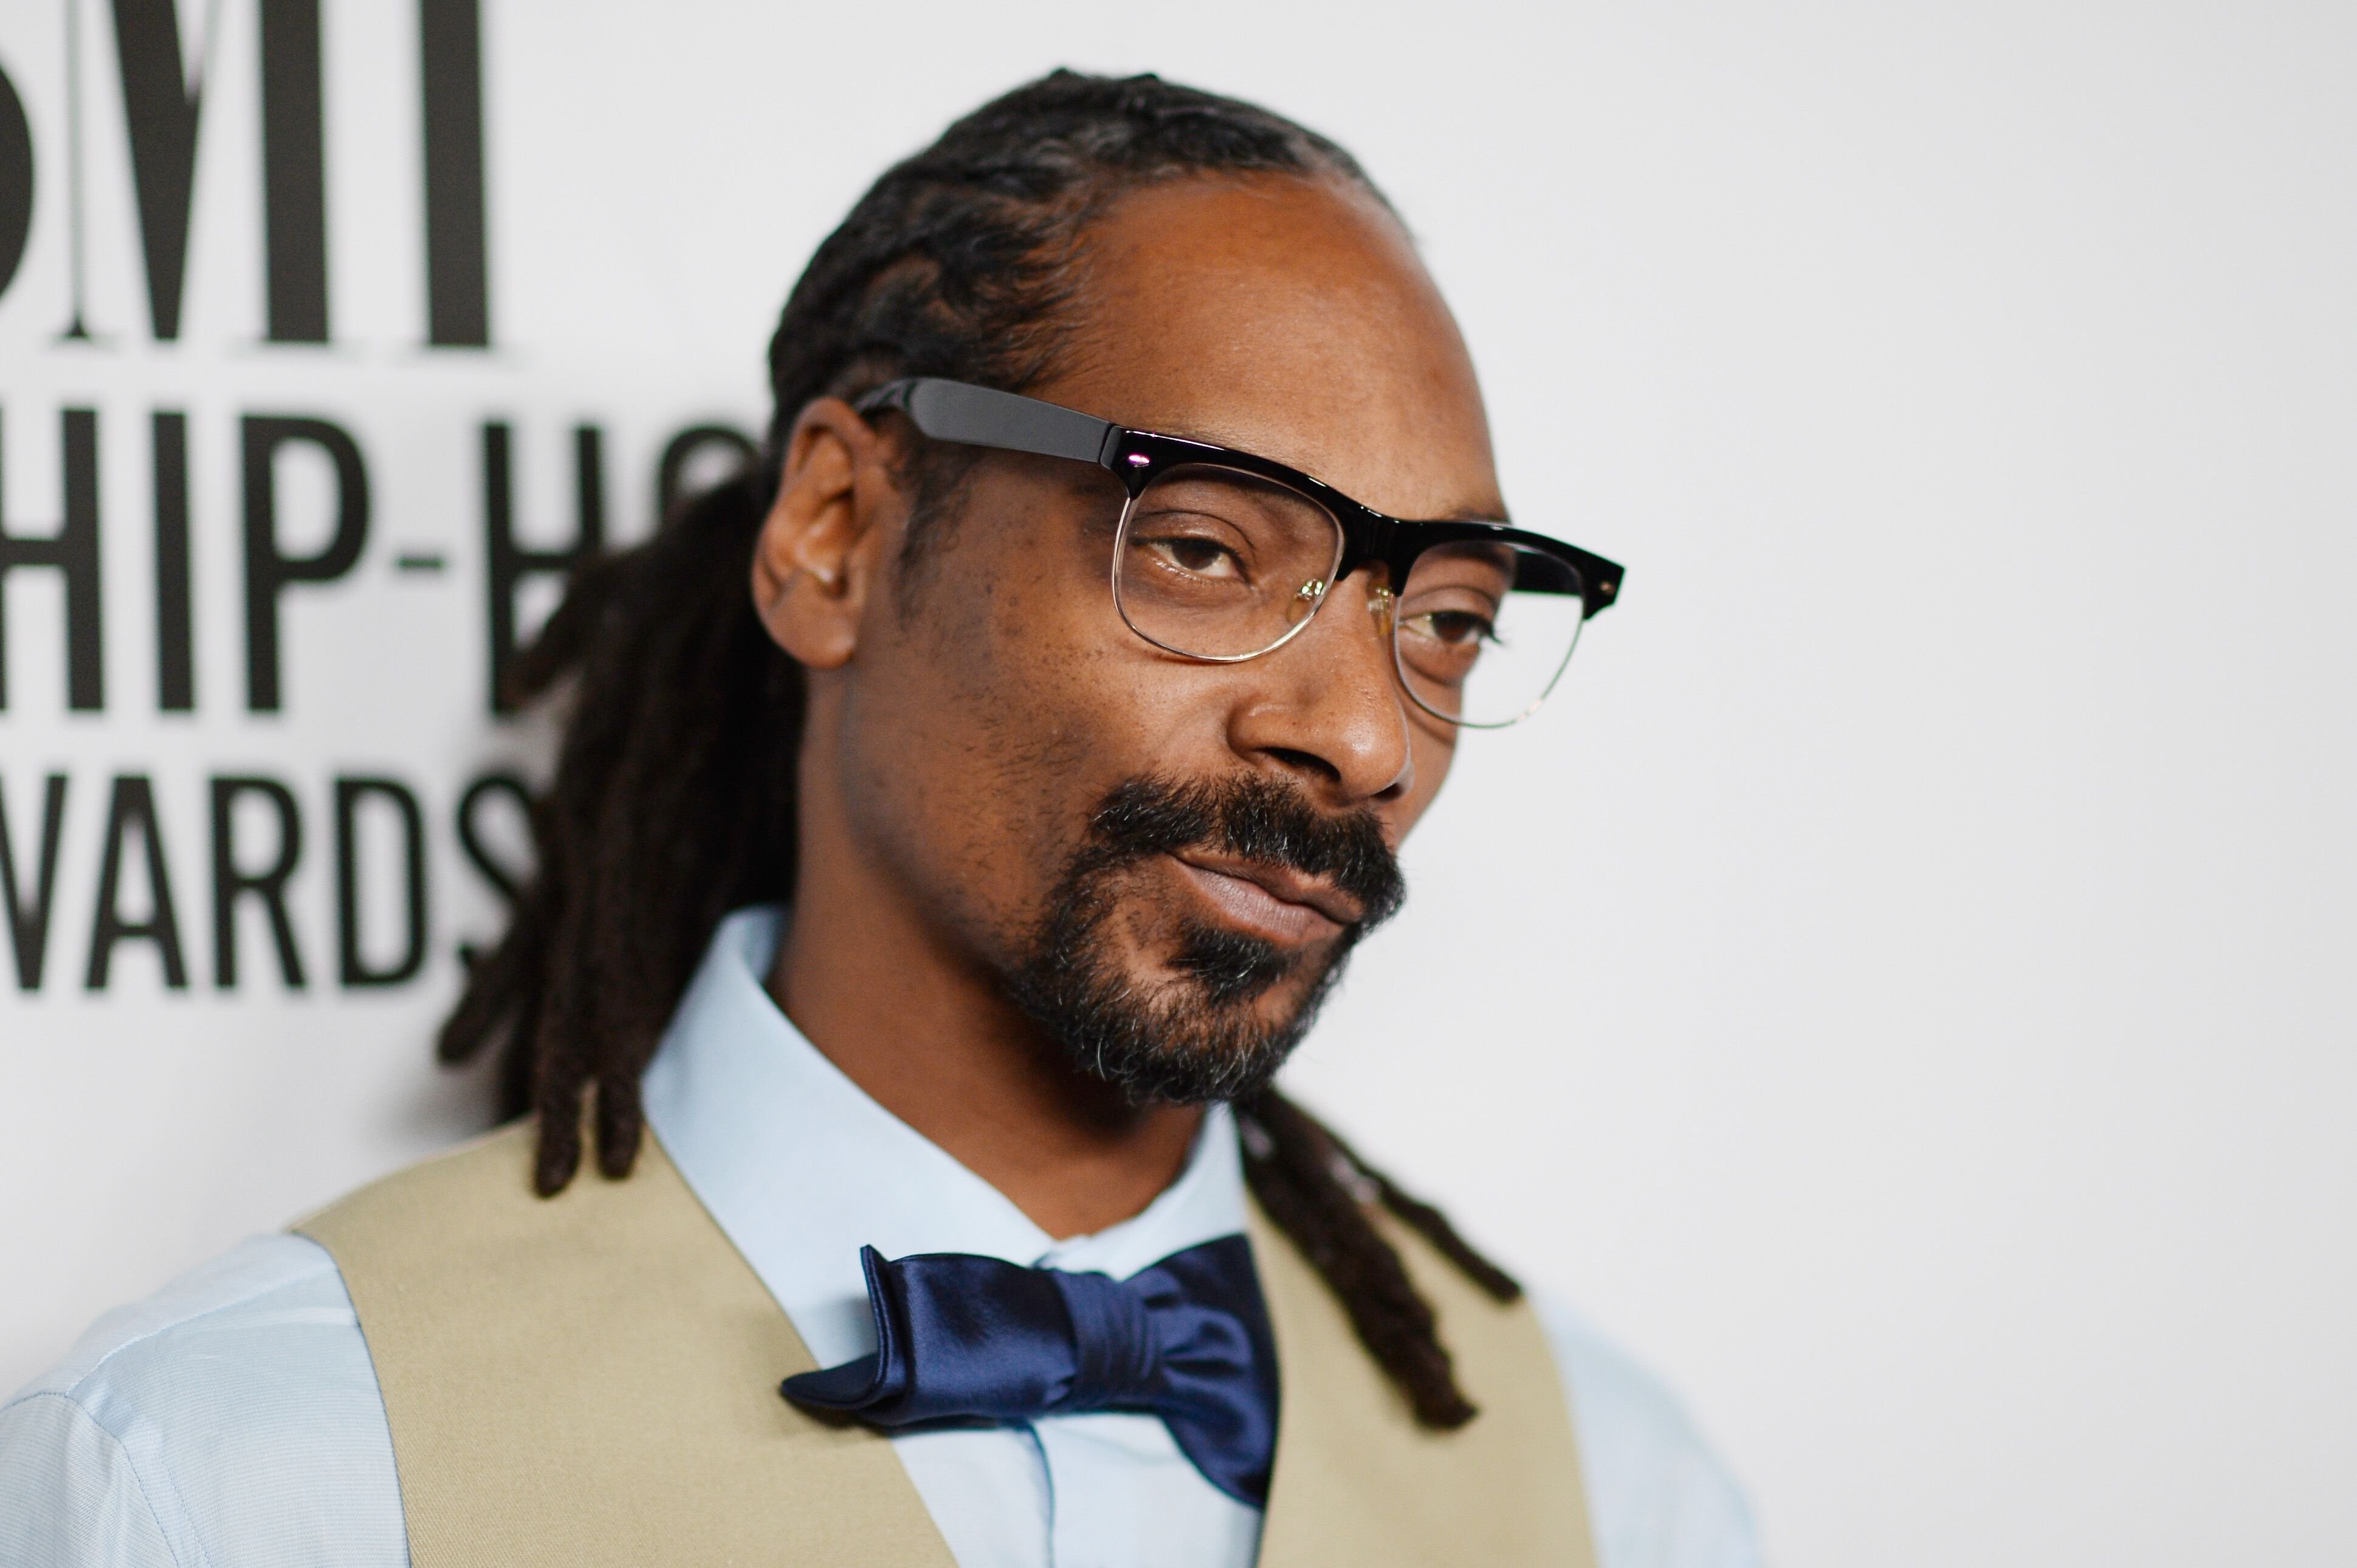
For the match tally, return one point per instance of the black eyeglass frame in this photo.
(984, 416)
(973, 415)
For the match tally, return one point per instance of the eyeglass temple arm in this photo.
(979, 416)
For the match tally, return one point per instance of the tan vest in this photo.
(593, 1378)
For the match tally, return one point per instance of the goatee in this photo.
(1201, 1037)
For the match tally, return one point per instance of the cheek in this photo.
(988, 725)
(1079, 702)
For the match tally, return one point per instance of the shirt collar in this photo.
(801, 1167)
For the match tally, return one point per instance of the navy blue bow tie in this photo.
(962, 1338)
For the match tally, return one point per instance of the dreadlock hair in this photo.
(673, 798)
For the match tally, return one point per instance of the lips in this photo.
(1274, 901)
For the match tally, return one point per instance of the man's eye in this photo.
(1198, 556)
(1457, 628)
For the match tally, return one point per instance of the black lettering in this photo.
(508, 881)
(450, 57)
(231, 882)
(511, 564)
(175, 666)
(268, 572)
(28, 920)
(672, 473)
(72, 549)
(132, 809)
(357, 972)
(78, 327)
(16, 181)
(294, 173)
(159, 109)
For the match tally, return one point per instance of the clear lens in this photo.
(1485, 630)
(1216, 564)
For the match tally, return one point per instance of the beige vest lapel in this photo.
(592, 1378)
(1360, 1483)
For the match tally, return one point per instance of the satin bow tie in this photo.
(965, 1340)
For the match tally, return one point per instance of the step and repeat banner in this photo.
(281, 494)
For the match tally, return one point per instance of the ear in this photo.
(821, 546)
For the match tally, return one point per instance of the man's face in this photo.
(1164, 862)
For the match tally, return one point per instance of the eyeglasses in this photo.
(1221, 556)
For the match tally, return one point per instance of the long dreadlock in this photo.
(673, 797)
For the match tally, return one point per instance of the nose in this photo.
(1327, 707)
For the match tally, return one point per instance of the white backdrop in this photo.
(1903, 989)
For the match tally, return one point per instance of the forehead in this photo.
(1289, 317)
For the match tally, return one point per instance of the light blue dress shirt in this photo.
(233, 1417)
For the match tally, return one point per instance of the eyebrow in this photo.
(1469, 512)
(1235, 441)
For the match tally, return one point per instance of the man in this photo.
(914, 939)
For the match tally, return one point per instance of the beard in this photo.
(1202, 1035)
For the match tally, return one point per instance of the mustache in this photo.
(1254, 818)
